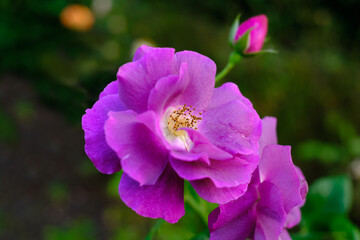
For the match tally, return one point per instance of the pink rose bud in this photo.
(250, 35)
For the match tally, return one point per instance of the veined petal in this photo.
(143, 155)
(96, 147)
(164, 199)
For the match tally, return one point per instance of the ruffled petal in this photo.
(208, 191)
(268, 135)
(276, 166)
(270, 213)
(96, 147)
(164, 199)
(202, 72)
(233, 127)
(226, 173)
(168, 91)
(138, 78)
(110, 89)
(143, 155)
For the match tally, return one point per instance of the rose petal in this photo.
(110, 89)
(230, 211)
(304, 188)
(143, 156)
(226, 93)
(233, 127)
(284, 235)
(268, 135)
(293, 217)
(277, 167)
(208, 191)
(234, 220)
(270, 213)
(96, 147)
(164, 199)
(137, 79)
(238, 229)
(225, 173)
(202, 145)
(202, 72)
(169, 90)
(258, 33)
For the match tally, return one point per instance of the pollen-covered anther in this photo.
(182, 117)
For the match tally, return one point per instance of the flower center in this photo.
(182, 117)
(178, 118)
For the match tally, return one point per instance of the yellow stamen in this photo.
(182, 117)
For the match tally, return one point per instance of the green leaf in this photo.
(333, 194)
(233, 30)
(344, 229)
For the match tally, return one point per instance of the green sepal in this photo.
(271, 51)
(233, 30)
(243, 42)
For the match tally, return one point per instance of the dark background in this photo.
(49, 74)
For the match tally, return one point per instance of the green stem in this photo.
(198, 209)
(234, 58)
(154, 229)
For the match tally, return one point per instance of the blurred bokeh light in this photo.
(77, 17)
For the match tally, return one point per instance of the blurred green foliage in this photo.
(312, 86)
(7, 128)
(76, 230)
(325, 215)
